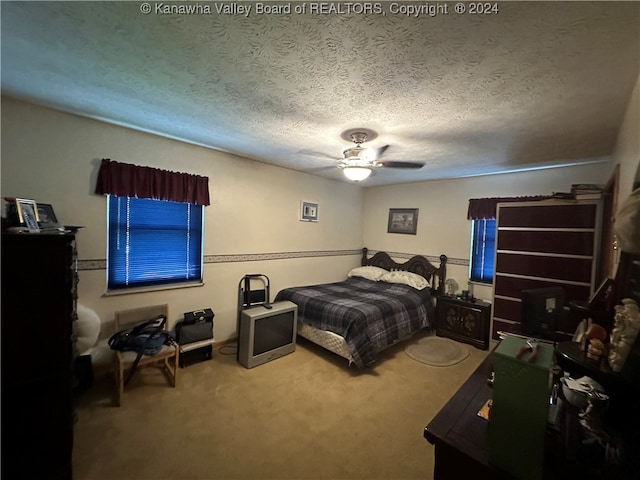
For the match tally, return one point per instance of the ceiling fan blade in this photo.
(321, 169)
(370, 154)
(381, 150)
(392, 164)
(313, 153)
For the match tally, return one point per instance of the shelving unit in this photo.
(195, 345)
(196, 351)
(39, 287)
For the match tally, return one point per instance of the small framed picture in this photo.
(403, 220)
(308, 211)
(28, 214)
(46, 216)
(603, 293)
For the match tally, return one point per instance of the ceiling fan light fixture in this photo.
(353, 153)
(356, 173)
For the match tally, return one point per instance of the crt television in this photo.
(267, 333)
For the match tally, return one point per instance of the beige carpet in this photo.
(437, 351)
(304, 416)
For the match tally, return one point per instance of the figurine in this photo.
(596, 335)
(624, 333)
(595, 349)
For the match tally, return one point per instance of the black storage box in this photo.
(196, 355)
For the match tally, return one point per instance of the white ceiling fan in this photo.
(358, 162)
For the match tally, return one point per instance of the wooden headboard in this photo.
(416, 264)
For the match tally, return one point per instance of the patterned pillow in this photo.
(369, 272)
(412, 279)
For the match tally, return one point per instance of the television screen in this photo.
(272, 332)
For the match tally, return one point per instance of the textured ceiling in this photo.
(534, 84)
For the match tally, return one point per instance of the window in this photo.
(153, 242)
(483, 244)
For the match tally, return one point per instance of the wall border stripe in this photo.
(101, 264)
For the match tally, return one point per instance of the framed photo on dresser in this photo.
(45, 213)
(603, 293)
(27, 211)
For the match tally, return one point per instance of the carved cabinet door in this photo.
(463, 321)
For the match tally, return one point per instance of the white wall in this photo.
(627, 151)
(53, 157)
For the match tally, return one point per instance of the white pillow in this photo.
(408, 278)
(87, 328)
(369, 272)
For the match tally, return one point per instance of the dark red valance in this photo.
(485, 208)
(127, 180)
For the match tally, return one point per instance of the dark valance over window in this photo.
(126, 180)
(486, 208)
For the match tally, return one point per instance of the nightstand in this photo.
(463, 320)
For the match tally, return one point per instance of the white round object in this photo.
(579, 398)
(87, 329)
(575, 398)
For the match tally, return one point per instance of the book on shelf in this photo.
(587, 188)
(564, 195)
(577, 195)
(588, 196)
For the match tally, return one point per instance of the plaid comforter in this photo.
(370, 316)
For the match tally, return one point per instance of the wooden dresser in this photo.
(551, 243)
(39, 284)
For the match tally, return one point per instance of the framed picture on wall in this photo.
(308, 211)
(403, 220)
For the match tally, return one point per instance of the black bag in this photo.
(205, 315)
(146, 338)
(195, 327)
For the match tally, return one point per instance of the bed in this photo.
(377, 306)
